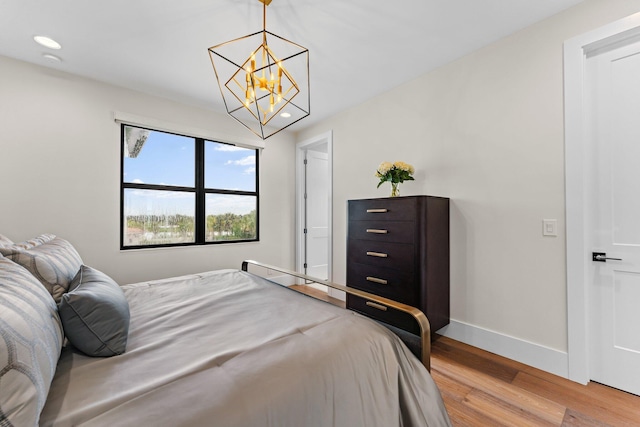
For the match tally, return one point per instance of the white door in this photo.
(317, 214)
(613, 151)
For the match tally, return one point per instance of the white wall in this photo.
(60, 173)
(486, 131)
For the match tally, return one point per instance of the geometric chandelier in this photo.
(268, 89)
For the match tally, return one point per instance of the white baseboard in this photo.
(538, 356)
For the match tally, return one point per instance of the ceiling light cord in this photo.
(264, 21)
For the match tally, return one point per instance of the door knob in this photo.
(602, 257)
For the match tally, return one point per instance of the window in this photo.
(179, 190)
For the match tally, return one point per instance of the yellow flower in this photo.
(384, 168)
(404, 166)
(394, 172)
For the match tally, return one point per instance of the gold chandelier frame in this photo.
(259, 90)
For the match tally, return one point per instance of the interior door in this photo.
(613, 146)
(317, 214)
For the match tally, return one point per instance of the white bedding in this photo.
(227, 348)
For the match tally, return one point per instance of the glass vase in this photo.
(395, 189)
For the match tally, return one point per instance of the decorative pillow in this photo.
(30, 343)
(95, 314)
(5, 241)
(53, 261)
(36, 241)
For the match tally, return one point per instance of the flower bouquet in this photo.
(395, 173)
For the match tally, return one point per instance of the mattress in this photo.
(228, 348)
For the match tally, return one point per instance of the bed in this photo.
(220, 348)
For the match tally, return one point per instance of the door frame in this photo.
(576, 170)
(301, 147)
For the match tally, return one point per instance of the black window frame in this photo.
(199, 189)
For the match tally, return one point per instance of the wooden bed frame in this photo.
(419, 316)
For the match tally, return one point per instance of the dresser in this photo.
(398, 248)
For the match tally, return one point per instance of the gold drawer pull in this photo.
(376, 231)
(378, 306)
(377, 210)
(377, 254)
(376, 280)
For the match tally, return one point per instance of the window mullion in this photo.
(201, 222)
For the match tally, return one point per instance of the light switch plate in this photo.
(550, 227)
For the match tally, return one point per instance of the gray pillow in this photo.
(30, 344)
(95, 314)
(53, 261)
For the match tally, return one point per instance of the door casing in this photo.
(301, 147)
(576, 169)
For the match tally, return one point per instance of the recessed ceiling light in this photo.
(52, 57)
(285, 115)
(47, 42)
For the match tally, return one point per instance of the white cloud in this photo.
(226, 147)
(137, 181)
(250, 171)
(151, 202)
(220, 204)
(246, 161)
(154, 195)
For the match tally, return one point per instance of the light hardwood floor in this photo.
(483, 389)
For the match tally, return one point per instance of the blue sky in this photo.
(168, 159)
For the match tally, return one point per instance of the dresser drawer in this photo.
(399, 256)
(383, 231)
(407, 246)
(397, 285)
(391, 209)
(388, 315)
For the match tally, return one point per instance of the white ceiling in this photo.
(358, 48)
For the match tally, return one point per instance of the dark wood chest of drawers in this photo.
(399, 248)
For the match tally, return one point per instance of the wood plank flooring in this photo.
(483, 389)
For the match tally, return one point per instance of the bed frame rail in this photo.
(419, 316)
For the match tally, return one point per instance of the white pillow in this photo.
(5, 241)
(52, 260)
(30, 345)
